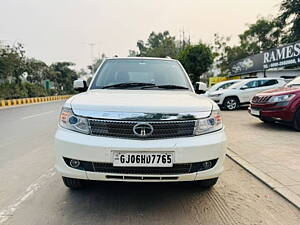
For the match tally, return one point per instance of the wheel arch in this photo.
(296, 124)
(231, 96)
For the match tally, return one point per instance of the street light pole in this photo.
(92, 45)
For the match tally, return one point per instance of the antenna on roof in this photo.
(116, 56)
(168, 57)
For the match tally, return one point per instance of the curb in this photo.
(269, 181)
(24, 101)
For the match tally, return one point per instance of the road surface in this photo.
(271, 148)
(31, 192)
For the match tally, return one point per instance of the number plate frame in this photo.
(158, 159)
(255, 112)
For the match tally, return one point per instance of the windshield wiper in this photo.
(128, 85)
(168, 86)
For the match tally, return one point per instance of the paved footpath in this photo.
(269, 151)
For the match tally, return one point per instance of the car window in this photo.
(253, 84)
(265, 83)
(158, 72)
(225, 86)
(215, 87)
(221, 87)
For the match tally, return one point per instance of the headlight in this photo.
(71, 122)
(215, 96)
(210, 124)
(281, 98)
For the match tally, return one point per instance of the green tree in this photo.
(260, 36)
(12, 62)
(64, 76)
(196, 59)
(289, 20)
(37, 71)
(157, 45)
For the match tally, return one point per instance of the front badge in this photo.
(143, 130)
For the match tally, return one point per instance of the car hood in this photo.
(213, 93)
(218, 92)
(280, 91)
(139, 101)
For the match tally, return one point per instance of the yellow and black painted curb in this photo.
(23, 101)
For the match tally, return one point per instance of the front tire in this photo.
(297, 120)
(231, 103)
(73, 183)
(207, 183)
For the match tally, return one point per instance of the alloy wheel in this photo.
(231, 104)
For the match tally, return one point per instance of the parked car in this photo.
(139, 120)
(281, 104)
(220, 86)
(242, 92)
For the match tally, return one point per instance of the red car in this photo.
(282, 104)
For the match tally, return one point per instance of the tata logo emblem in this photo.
(143, 130)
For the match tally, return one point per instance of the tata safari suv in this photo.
(282, 104)
(139, 120)
(242, 92)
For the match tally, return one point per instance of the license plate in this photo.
(255, 112)
(143, 159)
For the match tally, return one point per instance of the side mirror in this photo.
(199, 92)
(200, 88)
(244, 87)
(80, 85)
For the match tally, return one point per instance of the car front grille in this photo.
(184, 168)
(125, 129)
(260, 99)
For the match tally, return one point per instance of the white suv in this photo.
(243, 91)
(139, 120)
(220, 86)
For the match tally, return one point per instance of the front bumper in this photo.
(272, 111)
(73, 145)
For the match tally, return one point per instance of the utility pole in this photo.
(182, 38)
(92, 45)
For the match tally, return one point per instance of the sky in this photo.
(61, 30)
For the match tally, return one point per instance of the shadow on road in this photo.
(140, 192)
(275, 126)
(157, 203)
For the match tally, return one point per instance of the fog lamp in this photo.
(74, 163)
(206, 165)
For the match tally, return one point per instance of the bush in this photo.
(23, 90)
(35, 90)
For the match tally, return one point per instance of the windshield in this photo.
(222, 85)
(153, 72)
(294, 83)
(237, 85)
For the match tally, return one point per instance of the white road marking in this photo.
(36, 115)
(8, 212)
